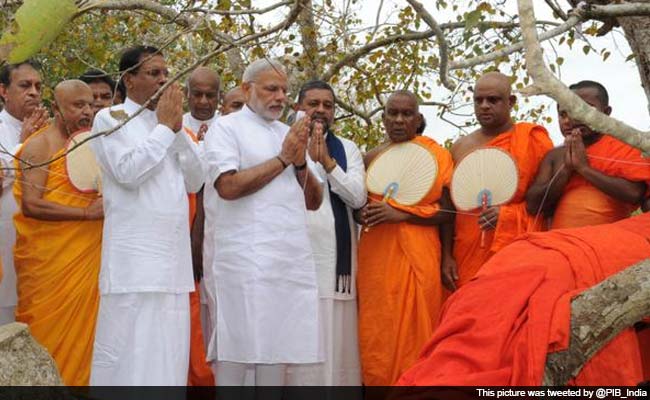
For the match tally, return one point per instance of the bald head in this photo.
(401, 116)
(493, 102)
(233, 101)
(73, 100)
(203, 93)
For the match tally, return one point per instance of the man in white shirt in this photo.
(20, 89)
(333, 235)
(148, 167)
(233, 101)
(264, 273)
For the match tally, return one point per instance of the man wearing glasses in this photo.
(148, 167)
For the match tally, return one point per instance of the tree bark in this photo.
(597, 316)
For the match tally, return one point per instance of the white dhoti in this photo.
(142, 339)
(341, 366)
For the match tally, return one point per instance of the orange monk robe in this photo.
(584, 204)
(398, 283)
(498, 328)
(199, 372)
(527, 144)
(57, 269)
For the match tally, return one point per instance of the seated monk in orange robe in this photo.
(489, 339)
(398, 280)
(58, 241)
(527, 144)
(593, 178)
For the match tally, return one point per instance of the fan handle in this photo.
(388, 194)
(484, 206)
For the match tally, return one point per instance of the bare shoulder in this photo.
(36, 149)
(369, 156)
(464, 145)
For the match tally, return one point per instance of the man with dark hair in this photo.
(103, 88)
(143, 325)
(593, 178)
(333, 235)
(233, 100)
(20, 89)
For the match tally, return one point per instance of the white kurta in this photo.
(10, 128)
(338, 310)
(264, 273)
(147, 171)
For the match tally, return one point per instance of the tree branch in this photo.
(597, 316)
(442, 42)
(546, 83)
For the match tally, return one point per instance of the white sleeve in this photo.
(129, 165)
(350, 185)
(221, 151)
(190, 161)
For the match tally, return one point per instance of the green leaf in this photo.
(586, 49)
(37, 24)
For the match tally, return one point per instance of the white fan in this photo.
(81, 165)
(485, 177)
(404, 172)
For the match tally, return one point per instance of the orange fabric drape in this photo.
(527, 144)
(199, 372)
(398, 282)
(57, 268)
(488, 339)
(583, 204)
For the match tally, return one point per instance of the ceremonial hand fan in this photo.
(483, 178)
(81, 165)
(404, 172)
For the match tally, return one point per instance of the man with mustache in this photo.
(263, 269)
(58, 243)
(527, 144)
(333, 234)
(20, 89)
(148, 166)
(593, 178)
(103, 88)
(233, 100)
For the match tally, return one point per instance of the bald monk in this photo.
(58, 245)
(398, 279)
(593, 178)
(498, 328)
(233, 101)
(527, 144)
(202, 90)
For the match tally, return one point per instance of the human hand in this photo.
(170, 108)
(489, 218)
(449, 272)
(35, 121)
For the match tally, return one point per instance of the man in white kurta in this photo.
(345, 177)
(20, 89)
(148, 167)
(264, 273)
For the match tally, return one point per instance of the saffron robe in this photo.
(583, 204)
(398, 283)
(527, 144)
(487, 339)
(57, 268)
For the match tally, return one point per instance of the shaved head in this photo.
(497, 80)
(233, 100)
(203, 93)
(73, 100)
(401, 116)
(204, 75)
(493, 102)
(405, 93)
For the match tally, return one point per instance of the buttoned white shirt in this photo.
(10, 128)
(350, 186)
(147, 171)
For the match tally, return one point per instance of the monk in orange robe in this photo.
(527, 144)
(593, 178)
(58, 241)
(398, 279)
(489, 339)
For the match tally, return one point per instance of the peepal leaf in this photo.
(37, 23)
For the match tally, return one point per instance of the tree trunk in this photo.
(637, 33)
